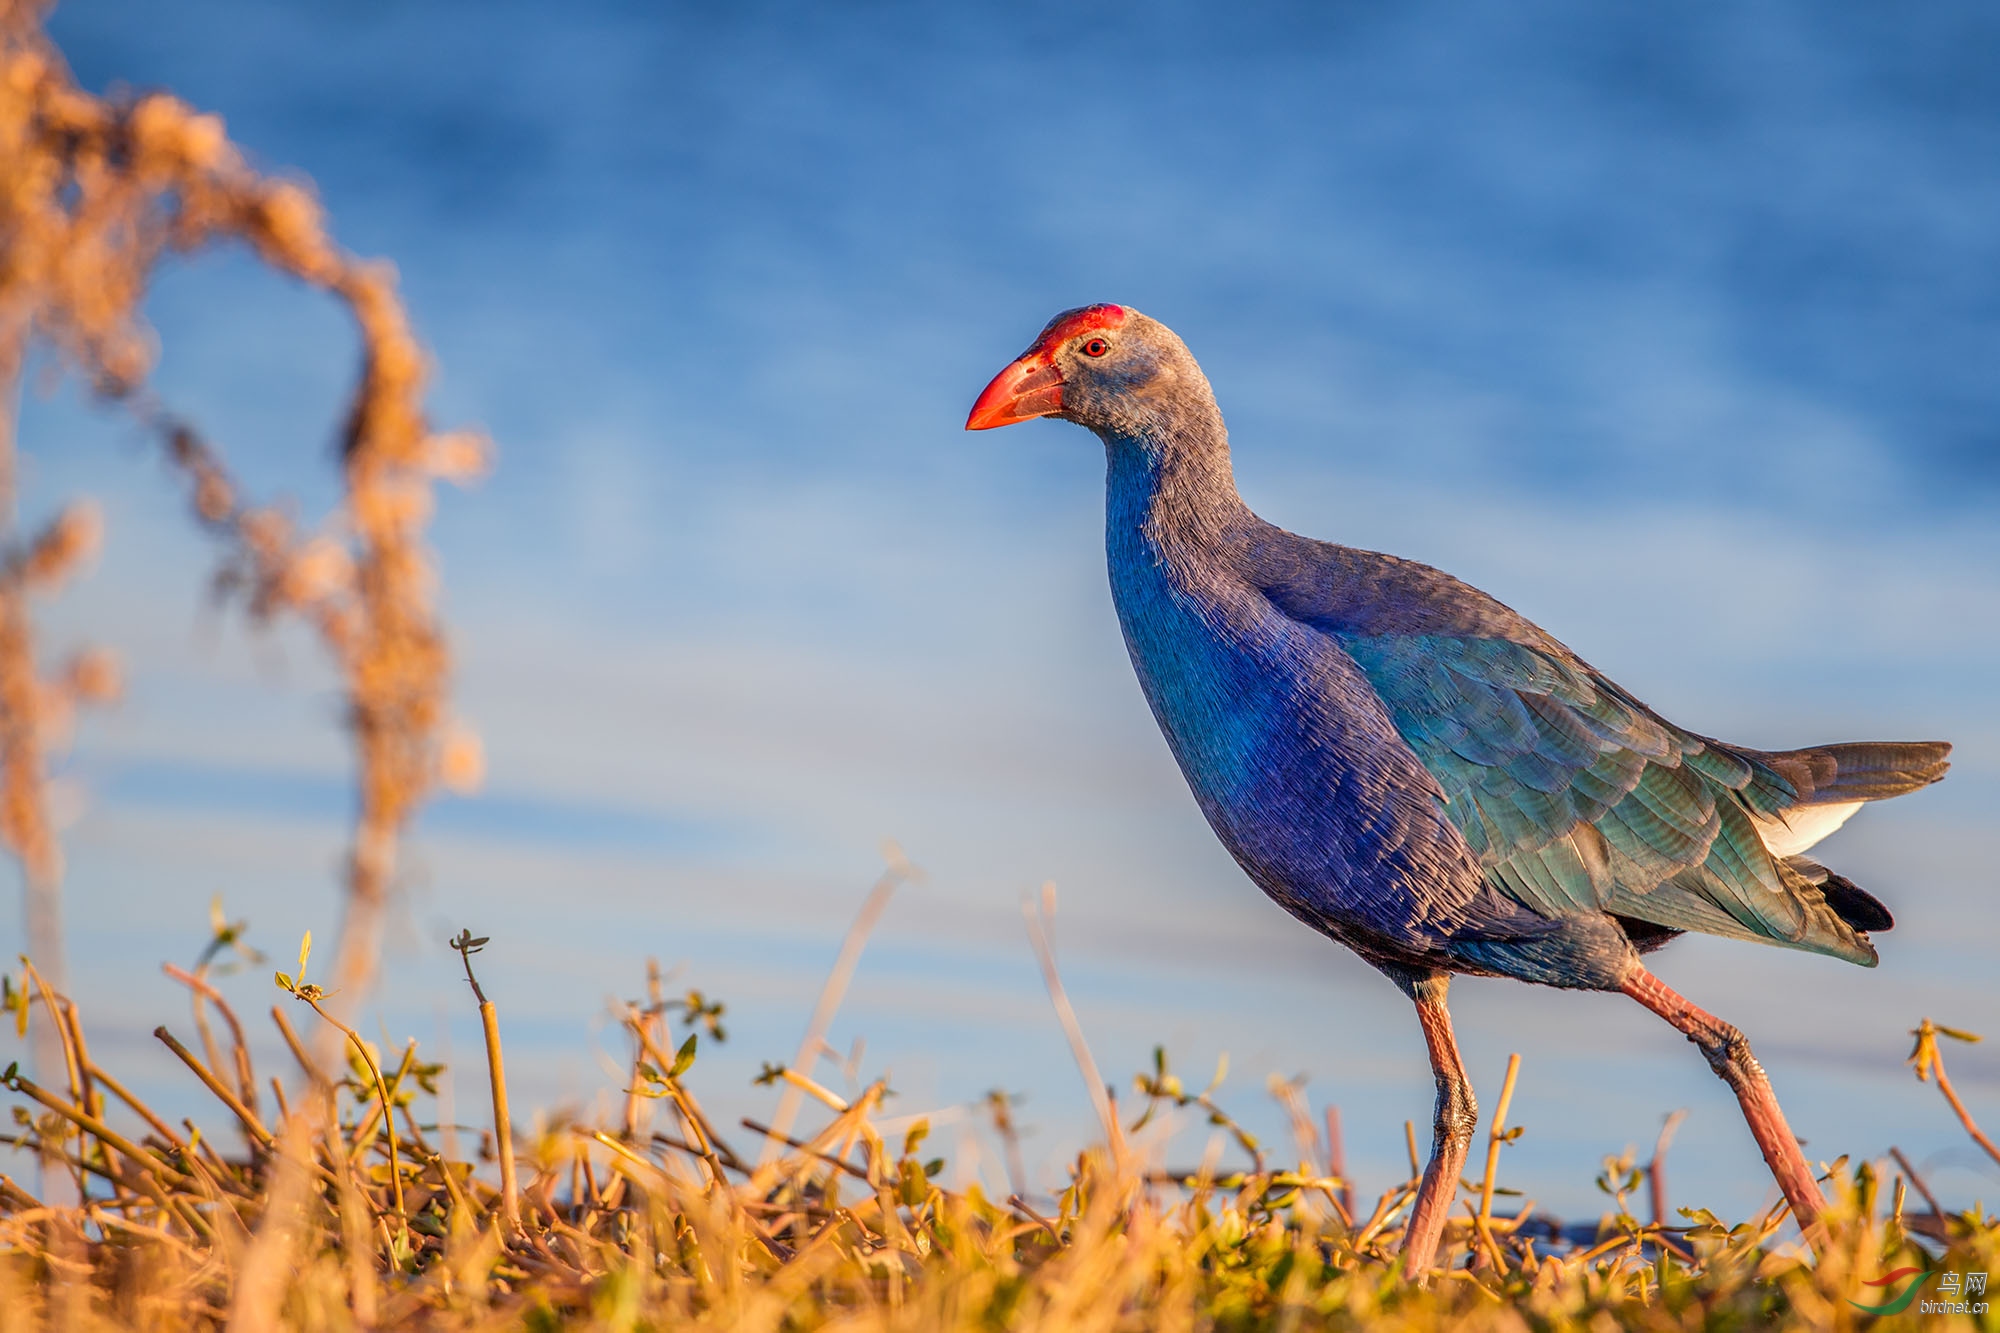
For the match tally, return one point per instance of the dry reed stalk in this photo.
(364, 1133)
(1917, 1180)
(1336, 1159)
(1496, 1135)
(1040, 916)
(1290, 1095)
(496, 1076)
(1656, 1169)
(655, 1012)
(200, 989)
(896, 872)
(312, 997)
(248, 1118)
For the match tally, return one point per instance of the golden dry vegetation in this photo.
(660, 1218)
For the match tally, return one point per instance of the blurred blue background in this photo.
(1673, 328)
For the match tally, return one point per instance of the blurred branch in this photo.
(898, 871)
(100, 191)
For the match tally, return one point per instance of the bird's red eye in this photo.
(1096, 347)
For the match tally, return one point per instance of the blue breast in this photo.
(1285, 745)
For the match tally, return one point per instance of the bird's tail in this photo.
(1861, 770)
(1828, 783)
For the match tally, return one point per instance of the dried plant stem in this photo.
(831, 994)
(655, 1019)
(258, 1134)
(496, 1077)
(381, 1091)
(1656, 1170)
(297, 1047)
(52, 1006)
(265, 1273)
(714, 1152)
(503, 1127)
(86, 1122)
(1496, 1135)
(202, 989)
(357, 1215)
(139, 1108)
(1040, 916)
(1958, 1108)
(364, 1133)
(1336, 1159)
(53, 1052)
(1917, 1180)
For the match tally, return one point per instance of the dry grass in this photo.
(688, 1224)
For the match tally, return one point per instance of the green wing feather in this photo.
(1578, 798)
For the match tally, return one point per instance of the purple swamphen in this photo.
(1410, 767)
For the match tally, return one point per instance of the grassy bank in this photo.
(299, 1194)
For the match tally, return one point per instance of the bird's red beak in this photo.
(1031, 387)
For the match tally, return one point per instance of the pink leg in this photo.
(1729, 1056)
(1452, 1127)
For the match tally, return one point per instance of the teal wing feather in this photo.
(1576, 797)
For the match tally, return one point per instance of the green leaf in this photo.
(1958, 1034)
(305, 952)
(285, 982)
(684, 1057)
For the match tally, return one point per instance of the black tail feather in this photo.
(1849, 901)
